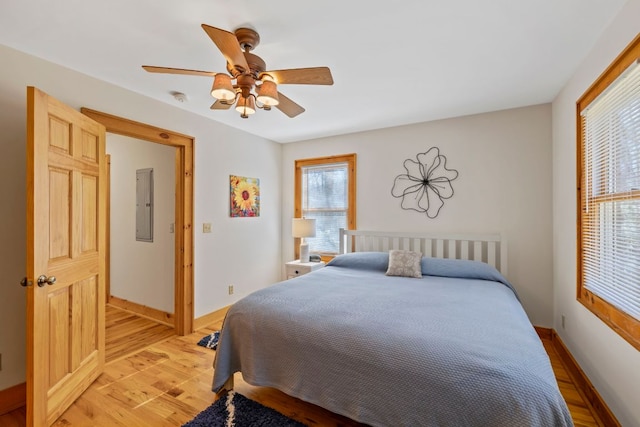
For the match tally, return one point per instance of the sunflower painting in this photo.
(244, 194)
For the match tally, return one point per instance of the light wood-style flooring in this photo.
(128, 333)
(168, 381)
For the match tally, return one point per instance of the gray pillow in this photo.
(377, 261)
(404, 263)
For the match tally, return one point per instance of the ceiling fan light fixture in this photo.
(222, 88)
(268, 93)
(248, 84)
(246, 106)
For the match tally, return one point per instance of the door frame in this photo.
(184, 161)
(107, 255)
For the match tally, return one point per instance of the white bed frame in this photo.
(489, 248)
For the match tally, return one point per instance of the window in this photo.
(325, 189)
(609, 196)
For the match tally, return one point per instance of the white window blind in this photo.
(611, 193)
(325, 198)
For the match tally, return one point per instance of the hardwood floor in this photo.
(581, 411)
(168, 381)
(128, 333)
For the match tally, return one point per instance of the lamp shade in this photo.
(246, 106)
(268, 93)
(303, 227)
(222, 88)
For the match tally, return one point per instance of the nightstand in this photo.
(297, 268)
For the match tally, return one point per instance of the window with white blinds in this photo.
(325, 191)
(325, 199)
(611, 211)
(609, 199)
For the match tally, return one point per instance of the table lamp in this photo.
(301, 228)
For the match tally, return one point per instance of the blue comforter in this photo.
(453, 348)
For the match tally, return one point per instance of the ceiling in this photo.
(393, 62)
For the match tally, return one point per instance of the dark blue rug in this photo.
(210, 341)
(236, 410)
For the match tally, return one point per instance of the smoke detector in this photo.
(179, 96)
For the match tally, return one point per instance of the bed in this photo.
(452, 347)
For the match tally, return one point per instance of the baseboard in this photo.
(208, 319)
(144, 311)
(13, 397)
(581, 380)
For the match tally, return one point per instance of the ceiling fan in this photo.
(254, 87)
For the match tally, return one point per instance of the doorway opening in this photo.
(140, 249)
(183, 246)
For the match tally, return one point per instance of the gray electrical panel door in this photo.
(144, 205)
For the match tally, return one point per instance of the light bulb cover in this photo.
(246, 106)
(222, 88)
(268, 93)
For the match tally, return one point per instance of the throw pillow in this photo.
(404, 263)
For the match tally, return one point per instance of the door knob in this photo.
(44, 280)
(26, 282)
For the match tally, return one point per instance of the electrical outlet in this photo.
(230, 289)
(563, 321)
(206, 227)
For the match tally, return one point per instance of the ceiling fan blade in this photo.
(167, 70)
(301, 76)
(228, 45)
(219, 105)
(288, 107)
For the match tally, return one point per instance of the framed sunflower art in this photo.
(244, 195)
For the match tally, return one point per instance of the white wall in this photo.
(142, 272)
(504, 185)
(245, 252)
(12, 231)
(612, 365)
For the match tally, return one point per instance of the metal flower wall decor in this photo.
(426, 184)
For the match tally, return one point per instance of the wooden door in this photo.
(66, 223)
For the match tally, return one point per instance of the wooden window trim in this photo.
(350, 159)
(622, 323)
